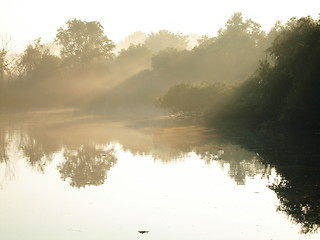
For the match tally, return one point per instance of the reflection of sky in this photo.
(186, 199)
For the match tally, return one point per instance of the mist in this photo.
(162, 73)
(188, 128)
(97, 75)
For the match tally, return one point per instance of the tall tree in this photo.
(232, 55)
(84, 42)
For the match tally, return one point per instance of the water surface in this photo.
(82, 179)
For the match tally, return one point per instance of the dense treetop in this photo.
(83, 42)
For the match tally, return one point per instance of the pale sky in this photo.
(25, 20)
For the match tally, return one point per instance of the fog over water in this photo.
(163, 134)
(96, 178)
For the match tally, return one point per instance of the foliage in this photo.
(131, 61)
(230, 57)
(3, 64)
(171, 63)
(284, 91)
(135, 38)
(146, 71)
(238, 28)
(84, 42)
(37, 59)
(134, 53)
(164, 39)
(194, 100)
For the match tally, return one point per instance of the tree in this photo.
(135, 38)
(188, 100)
(232, 55)
(236, 28)
(37, 60)
(296, 52)
(163, 39)
(132, 60)
(3, 64)
(83, 42)
(283, 93)
(3, 58)
(31, 56)
(170, 61)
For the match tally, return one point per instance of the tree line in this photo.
(229, 58)
(79, 65)
(281, 93)
(242, 76)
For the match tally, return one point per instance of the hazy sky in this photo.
(25, 20)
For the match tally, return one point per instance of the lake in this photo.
(77, 177)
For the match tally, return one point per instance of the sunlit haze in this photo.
(23, 21)
(169, 119)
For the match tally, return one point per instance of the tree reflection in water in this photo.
(296, 159)
(88, 165)
(8, 168)
(241, 163)
(34, 152)
(86, 162)
(300, 200)
(298, 190)
(3, 146)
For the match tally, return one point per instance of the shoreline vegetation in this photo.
(254, 89)
(241, 78)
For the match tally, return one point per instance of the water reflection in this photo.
(35, 151)
(296, 159)
(88, 157)
(242, 164)
(87, 165)
(3, 146)
(85, 162)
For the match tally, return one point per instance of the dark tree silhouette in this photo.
(284, 91)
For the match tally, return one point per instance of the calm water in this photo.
(78, 179)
